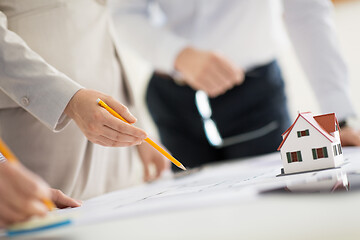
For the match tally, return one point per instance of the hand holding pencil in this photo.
(148, 140)
(98, 125)
(23, 194)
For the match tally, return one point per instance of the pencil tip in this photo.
(98, 100)
(182, 167)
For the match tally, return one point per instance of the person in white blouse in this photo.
(226, 50)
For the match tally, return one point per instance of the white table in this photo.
(265, 216)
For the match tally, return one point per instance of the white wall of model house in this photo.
(305, 144)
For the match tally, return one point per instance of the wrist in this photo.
(70, 107)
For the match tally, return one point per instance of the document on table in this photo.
(226, 183)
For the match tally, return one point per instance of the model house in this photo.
(311, 143)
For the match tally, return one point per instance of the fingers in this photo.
(161, 166)
(9, 216)
(223, 83)
(2, 223)
(120, 137)
(147, 175)
(91, 119)
(210, 85)
(14, 196)
(106, 142)
(13, 199)
(208, 71)
(63, 201)
(31, 185)
(17, 203)
(121, 109)
(20, 209)
(149, 157)
(154, 163)
(225, 74)
(120, 131)
(115, 132)
(349, 137)
(233, 73)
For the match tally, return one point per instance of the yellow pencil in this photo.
(12, 159)
(148, 140)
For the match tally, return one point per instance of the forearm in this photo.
(30, 81)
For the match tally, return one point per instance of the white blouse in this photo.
(249, 32)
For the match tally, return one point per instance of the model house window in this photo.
(320, 153)
(303, 133)
(294, 157)
(335, 147)
(339, 148)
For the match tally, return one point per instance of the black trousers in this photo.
(258, 102)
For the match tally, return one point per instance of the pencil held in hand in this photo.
(148, 140)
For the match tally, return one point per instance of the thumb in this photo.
(63, 201)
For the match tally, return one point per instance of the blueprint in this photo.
(230, 182)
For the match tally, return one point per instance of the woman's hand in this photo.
(21, 194)
(98, 125)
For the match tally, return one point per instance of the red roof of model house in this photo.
(325, 124)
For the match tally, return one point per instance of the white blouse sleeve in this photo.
(32, 83)
(312, 33)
